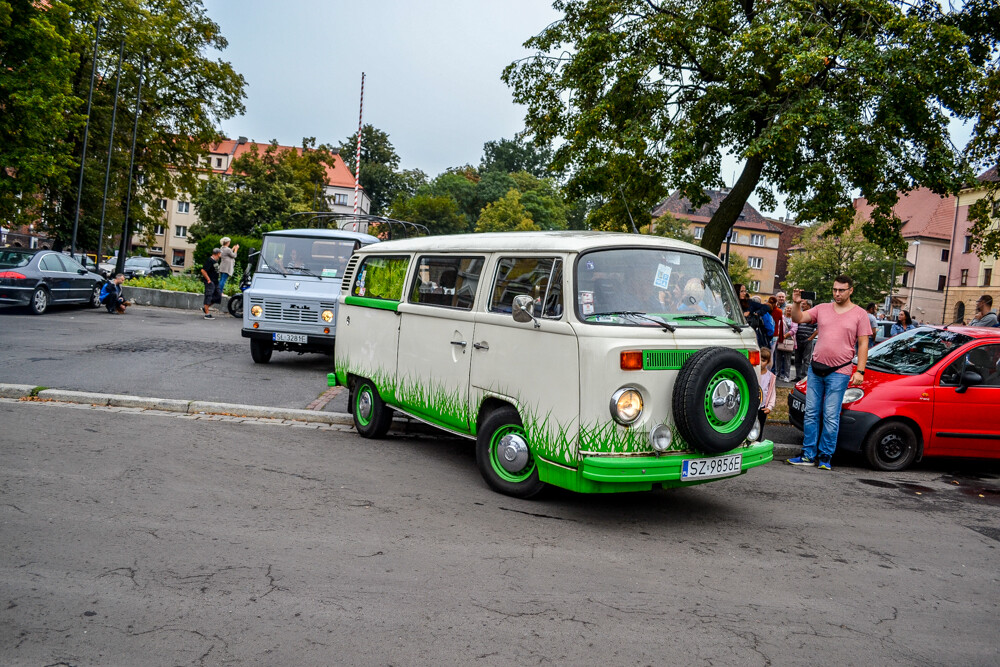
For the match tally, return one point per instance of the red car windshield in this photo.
(913, 352)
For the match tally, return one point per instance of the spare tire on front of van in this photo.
(715, 400)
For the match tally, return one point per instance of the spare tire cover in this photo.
(716, 398)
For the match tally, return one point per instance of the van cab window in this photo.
(538, 277)
(304, 256)
(687, 289)
(448, 281)
(381, 278)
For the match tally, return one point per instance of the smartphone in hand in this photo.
(808, 296)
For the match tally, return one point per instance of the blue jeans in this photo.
(223, 277)
(826, 394)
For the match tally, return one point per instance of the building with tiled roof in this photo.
(761, 241)
(171, 237)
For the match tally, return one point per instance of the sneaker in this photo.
(209, 316)
(800, 461)
(824, 465)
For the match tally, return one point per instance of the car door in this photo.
(81, 283)
(436, 326)
(55, 277)
(965, 422)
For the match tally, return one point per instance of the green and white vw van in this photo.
(593, 361)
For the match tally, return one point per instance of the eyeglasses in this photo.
(837, 289)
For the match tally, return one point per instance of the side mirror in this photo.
(521, 309)
(82, 272)
(969, 378)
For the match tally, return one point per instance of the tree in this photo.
(39, 111)
(818, 101)
(823, 258)
(506, 215)
(460, 186)
(264, 189)
(542, 200)
(185, 94)
(671, 227)
(739, 270)
(512, 155)
(379, 163)
(439, 213)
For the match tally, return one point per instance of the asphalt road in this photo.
(169, 353)
(133, 539)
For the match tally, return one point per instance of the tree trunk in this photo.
(731, 207)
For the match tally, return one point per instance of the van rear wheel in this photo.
(503, 454)
(372, 417)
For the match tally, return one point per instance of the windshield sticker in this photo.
(587, 303)
(674, 258)
(329, 273)
(662, 276)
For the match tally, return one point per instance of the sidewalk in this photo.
(401, 424)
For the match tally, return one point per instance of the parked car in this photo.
(40, 278)
(929, 391)
(88, 263)
(883, 330)
(146, 266)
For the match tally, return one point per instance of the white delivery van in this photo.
(291, 303)
(592, 361)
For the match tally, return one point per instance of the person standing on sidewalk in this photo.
(784, 348)
(768, 382)
(843, 327)
(228, 262)
(210, 273)
(871, 309)
(984, 316)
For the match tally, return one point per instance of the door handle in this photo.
(481, 346)
(460, 343)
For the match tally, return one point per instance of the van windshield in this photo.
(300, 256)
(644, 286)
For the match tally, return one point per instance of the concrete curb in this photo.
(145, 296)
(16, 390)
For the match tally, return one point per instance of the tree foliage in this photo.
(513, 155)
(739, 270)
(670, 226)
(507, 214)
(824, 257)
(264, 189)
(439, 213)
(185, 94)
(818, 100)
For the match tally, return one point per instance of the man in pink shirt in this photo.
(842, 328)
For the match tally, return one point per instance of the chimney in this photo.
(241, 140)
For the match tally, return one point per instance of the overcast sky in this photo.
(432, 72)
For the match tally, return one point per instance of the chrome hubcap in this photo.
(725, 401)
(512, 453)
(365, 405)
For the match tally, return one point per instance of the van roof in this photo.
(558, 241)
(326, 234)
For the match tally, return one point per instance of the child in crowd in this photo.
(767, 384)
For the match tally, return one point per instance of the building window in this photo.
(755, 262)
(968, 244)
(180, 231)
(944, 254)
(987, 277)
(218, 163)
(906, 278)
(178, 258)
(162, 203)
(941, 281)
(698, 233)
(340, 199)
(691, 211)
(157, 249)
(158, 230)
(757, 239)
(965, 277)
(183, 207)
(754, 285)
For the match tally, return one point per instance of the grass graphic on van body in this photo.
(549, 438)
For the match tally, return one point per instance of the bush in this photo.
(177, 283)
(203, 250)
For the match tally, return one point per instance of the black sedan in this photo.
(147, 266)
(40, 278)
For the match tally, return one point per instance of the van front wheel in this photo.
(261, 350)
(372, 417)
(504, 456)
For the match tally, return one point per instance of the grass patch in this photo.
(780, 410)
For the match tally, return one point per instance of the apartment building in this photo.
(171, 240)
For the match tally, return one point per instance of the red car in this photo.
(930, 391)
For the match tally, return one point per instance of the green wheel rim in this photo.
(736, 378)
(498, 435)
(363, 391)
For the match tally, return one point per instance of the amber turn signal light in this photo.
(755, 357)
(631, 360)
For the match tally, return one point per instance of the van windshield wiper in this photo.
(637, 315)
(305, 270)
(274, 268)
(735, 327)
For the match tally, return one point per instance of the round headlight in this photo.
(754, 434)
(626, 405)
(661, 437)
(256, 311)
(853, 394)
(327, 315)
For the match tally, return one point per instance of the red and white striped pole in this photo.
(357, 159)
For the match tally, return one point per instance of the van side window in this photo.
(448, 281)
(538, 277)
(381, 277)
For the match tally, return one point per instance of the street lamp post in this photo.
(913, 285)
